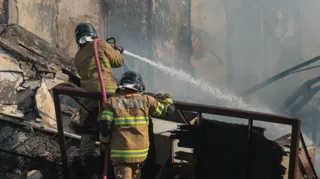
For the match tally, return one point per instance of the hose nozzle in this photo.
(120, 49)
(112, 41)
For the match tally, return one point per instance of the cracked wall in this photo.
(54, 20)
(3, 11)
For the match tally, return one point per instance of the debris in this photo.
(34, 174)
(70, 111)
(8, 84)
(20, 88)
(8, 63)
(76, 118)
(17, 171)
(42, 75)
(11, 110)
(61, 76)
(50, 75)
(32, 84)
(45, 105)
(29, 128)
(25, 98)
(31, 48)
(30, 68)
(43, 154)
(52, 82)
(30, 116)
(38, 120)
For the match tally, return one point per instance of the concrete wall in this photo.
(208, 22)
(55, 20)
(3, 11)
(71, 12)
(126, 21)
(154, 29)
(172, 42)
(254, 41)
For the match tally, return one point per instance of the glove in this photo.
(164, 98)
(104, 146)
(120, 49)
(171, 109)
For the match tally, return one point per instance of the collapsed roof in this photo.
(30, 67)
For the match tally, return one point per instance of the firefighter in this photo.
(124, 124)
(84, 61)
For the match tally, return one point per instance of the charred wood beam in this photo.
(38, 127)
(305, 99)
(278, 76)
(305, 69)
(306, 91)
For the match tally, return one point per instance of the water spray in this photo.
(232, 100)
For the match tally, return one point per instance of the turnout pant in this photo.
(88, 137)
(127, 170)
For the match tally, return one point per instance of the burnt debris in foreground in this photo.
(25, 150)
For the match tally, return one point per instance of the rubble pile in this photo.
(38, 152)
(30, 68)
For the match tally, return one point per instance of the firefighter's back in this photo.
(130, 140)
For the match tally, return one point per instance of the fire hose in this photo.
(97, 60)
(103, 91)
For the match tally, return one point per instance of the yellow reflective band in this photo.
(104, 139)
(107, 88)
(103, 64)
(107, 115)
(159, 109)
(168, 100)
(130, 120)
(86, 56)
(118, 56)
(129, 153)
(111, 89)
(83, 72)
(92, 66)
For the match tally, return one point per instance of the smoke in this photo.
(232, 45)
(214, 93)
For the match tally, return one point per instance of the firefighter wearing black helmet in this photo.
(85, 64)
(124, 124)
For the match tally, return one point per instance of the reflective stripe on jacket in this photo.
(129, 119)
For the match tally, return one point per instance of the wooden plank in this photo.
(311, 151)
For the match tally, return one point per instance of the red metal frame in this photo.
(251, 116)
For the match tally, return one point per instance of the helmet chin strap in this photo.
(85, 39)
(127, 86)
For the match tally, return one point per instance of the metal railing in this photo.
(200, 109)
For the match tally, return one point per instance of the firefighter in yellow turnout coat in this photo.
(85, 64)
(124, 124)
